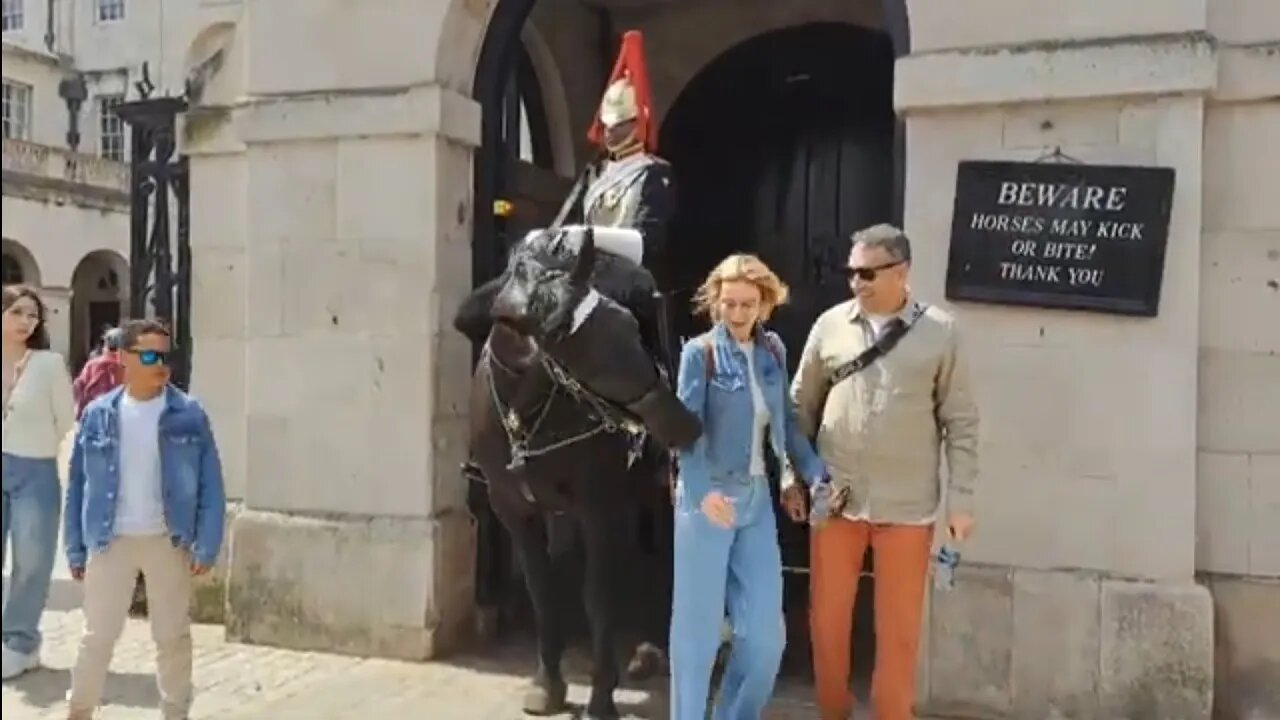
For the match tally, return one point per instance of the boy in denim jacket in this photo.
(144, 494)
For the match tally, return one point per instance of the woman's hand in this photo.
(718, 509)
(794, 502)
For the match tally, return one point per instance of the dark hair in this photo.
(39, 338)
(893, 240)
(132, 330)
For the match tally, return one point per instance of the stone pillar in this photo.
(219, 265)
(57, 301)
(355, 535)
(1077, 597)
(219, 238)
(1238, 543)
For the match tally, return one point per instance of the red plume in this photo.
(630, 64)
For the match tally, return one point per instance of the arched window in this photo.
(11, 271)
(526, 134)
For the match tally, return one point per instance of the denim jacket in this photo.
(723, 453)
(191, 474)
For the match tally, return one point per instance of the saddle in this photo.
(632, 286)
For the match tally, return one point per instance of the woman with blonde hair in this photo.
(734, 378)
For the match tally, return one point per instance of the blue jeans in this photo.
(32, 506)
(738, 567)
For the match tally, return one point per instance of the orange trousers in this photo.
(901, 568)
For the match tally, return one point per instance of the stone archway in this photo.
(99, 299)
(812, 151)
(505, 31)
(20, 267)
(351, 173)
(555, 106)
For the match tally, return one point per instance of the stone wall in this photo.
(330, 212)
(682, 38)
(1090, 491)
(1238, 468)
(1121, 456)
(1080, 600)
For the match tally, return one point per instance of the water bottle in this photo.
(820, 503)
(944, 566)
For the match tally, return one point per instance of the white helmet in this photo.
(619, 103)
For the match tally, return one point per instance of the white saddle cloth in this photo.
(624, 242)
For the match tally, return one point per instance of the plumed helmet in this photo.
(627, 95)
(619, 103)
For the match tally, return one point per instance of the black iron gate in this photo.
(159, 191)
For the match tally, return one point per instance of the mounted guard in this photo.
(626, 196)
(620, 206)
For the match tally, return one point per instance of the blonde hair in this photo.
(740, 268)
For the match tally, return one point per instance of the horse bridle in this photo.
(520, 435)
(609, 417)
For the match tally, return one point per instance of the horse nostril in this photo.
(504, 309)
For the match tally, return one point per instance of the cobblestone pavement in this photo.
(243, 682)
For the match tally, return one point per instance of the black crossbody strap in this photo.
(897, 328)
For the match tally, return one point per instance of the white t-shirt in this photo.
(877, 324)
(140, 506)
(761, 411)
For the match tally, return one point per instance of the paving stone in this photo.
(247, 682)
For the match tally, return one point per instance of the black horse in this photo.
(565, 402)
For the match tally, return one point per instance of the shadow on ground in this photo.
(516, 657)
(47, 687)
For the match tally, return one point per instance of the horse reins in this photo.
(520, 437)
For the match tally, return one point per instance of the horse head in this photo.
(548, 275)
(545, 305)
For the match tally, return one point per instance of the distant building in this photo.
(66, 205)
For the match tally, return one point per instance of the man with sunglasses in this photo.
(144, 495)
(883, 388)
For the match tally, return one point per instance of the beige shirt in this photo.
(881, 431)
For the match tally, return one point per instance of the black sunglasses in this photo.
(869, 273)
(151, 357)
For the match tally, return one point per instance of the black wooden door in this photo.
(784, 146)
(819, 186)
(823, 181)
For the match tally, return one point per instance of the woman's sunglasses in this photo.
(869, 273)
(151, 357)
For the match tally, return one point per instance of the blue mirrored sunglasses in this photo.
(151, 357)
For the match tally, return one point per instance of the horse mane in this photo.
(615, 277)
(554, 245)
